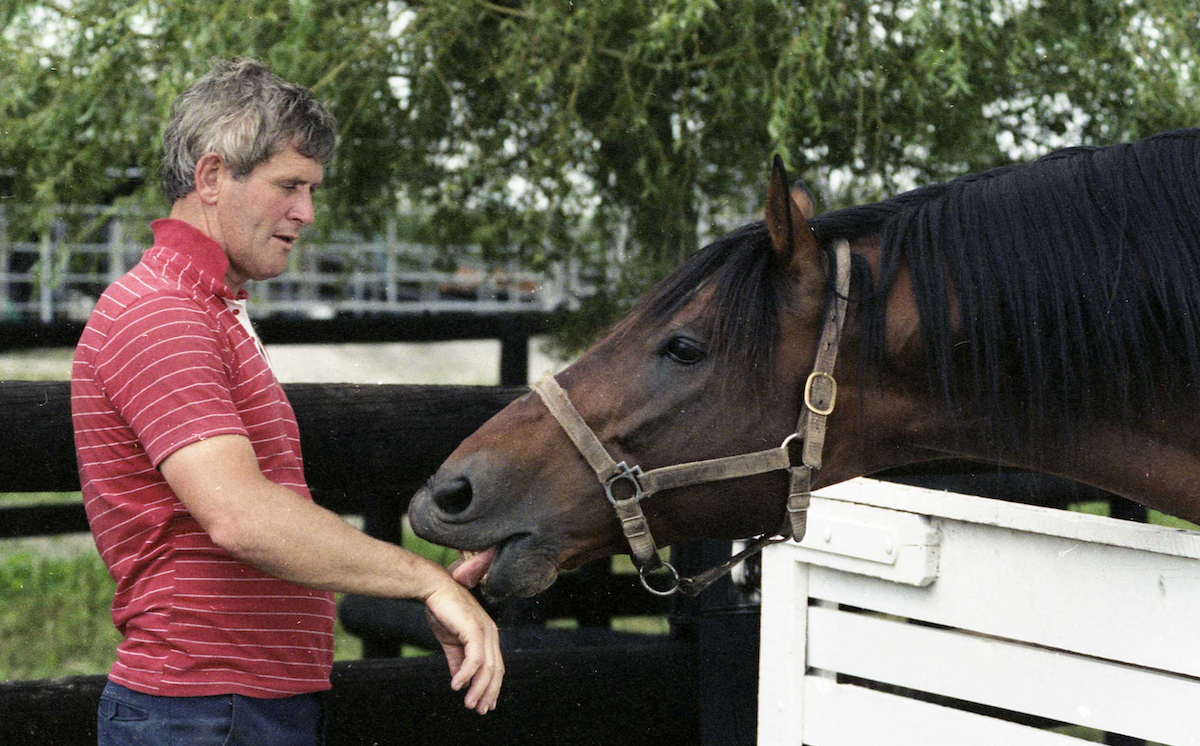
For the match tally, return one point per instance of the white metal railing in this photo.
(46, 276)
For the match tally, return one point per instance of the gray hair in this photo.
(246, 114)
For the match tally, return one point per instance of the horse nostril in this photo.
(453, 497)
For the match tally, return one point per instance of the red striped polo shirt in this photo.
(162, 363)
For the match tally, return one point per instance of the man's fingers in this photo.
(454, 657)
(468, 664)
(492, 695)
(486, 682)
(480, 678)
(471, 642)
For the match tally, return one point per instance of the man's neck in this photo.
(190, 210)
(195, 213)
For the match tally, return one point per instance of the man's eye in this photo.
(684, 351)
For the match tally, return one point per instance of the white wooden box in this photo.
(917, 617)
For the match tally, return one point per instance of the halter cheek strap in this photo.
(819, 398)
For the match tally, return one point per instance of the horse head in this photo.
(712, 364)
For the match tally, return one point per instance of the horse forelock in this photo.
(743, 291)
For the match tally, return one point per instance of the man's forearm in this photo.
(274, 529)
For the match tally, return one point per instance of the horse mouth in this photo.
(512, 567)
(518, 568)
(472, 567)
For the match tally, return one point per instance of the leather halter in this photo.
(820, 395)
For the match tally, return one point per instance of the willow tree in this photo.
(87, 85)
(616, 134)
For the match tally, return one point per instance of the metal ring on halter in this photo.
(787, 442)
(629, 474)
(674, 580)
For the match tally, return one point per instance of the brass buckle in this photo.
(808, 385)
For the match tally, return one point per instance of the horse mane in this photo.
(1077, 279)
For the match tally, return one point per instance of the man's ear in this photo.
(787, 214)
(210, 171)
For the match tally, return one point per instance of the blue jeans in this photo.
(129, 718)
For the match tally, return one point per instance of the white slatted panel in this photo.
(1021, 678)
(781, 664)
(1072, 618)
(843, 715)
(1092, 599)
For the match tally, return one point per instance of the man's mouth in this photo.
(288, 240)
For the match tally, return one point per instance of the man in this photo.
(189, 453)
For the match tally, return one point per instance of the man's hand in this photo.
(471, 642)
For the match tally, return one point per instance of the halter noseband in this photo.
(820, 394)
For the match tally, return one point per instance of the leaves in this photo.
(616, 135)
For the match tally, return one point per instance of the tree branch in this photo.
(694, 63)
(504, 10)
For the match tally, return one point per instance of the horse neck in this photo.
(1151, 459)
(1156, 464)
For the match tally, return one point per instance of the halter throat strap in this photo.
(819, 398)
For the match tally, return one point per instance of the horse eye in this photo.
(684, 351)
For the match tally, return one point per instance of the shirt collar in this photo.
(205, 254)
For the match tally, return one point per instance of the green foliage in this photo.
(617, 135)
(54, 619)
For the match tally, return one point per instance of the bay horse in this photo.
(1043, 315)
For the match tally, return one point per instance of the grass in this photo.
(36, 365)
(54, 617)
(55, 595)
(1153, 517)
(38, 498)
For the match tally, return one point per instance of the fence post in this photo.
(514, 358)
(357, 282)
(5, 280)
(389, 278)
(116, 249)
(45, 278)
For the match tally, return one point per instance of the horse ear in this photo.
(788, 212)
(803, 199)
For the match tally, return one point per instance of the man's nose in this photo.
(302, 210)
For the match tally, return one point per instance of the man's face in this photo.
(261, 216)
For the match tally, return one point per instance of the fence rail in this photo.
(55, 272)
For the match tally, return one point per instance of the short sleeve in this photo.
(163, 369)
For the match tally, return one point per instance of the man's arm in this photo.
(279, 532)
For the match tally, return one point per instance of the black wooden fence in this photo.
(367, 449)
